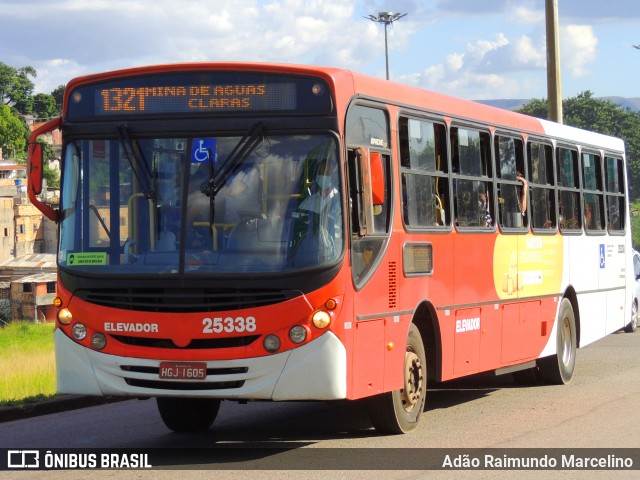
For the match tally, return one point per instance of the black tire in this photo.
(188, 414)
(558, 368)
(400, 411)
(632, 326)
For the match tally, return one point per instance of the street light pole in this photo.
(387, 18)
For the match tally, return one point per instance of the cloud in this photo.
(485, 67)
(100, 35)
(507, 67)
(577, 48)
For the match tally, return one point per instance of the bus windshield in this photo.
(210, 204)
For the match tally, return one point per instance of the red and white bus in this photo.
(236, 231)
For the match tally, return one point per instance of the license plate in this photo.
(183, 370)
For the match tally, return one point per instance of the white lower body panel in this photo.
(315, 371)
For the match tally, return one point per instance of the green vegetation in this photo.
(27, 363)
(17, 100)
(602, 116)
(635, 224)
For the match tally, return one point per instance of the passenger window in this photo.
(425, 185)
(541, 183)
(512, 185)
(616, 203)
(569, 207)
(593, 205)
(473, 192)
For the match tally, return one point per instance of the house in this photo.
(29, 284)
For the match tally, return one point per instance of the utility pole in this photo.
(554, 82)
(387, 18)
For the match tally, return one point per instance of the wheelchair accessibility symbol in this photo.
(602, 256)
(202, 148)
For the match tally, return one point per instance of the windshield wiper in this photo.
(138, 163)
(248, 143)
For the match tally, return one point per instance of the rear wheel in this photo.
(632, 326)
(188, 414)
(399, 411)
(559, 368)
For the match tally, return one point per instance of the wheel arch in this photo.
(426, 319)
(572, 296)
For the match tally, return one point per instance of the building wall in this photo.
(34, 305)
(28, 220)
(7, 232)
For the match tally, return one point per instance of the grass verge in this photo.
(27, 363)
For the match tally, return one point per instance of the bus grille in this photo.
(196, 344)
(160, 385)
(187, 300)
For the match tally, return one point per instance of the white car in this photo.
(633, 324)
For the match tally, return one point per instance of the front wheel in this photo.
(188, 414)
(400, 411)
(559, 368)
(632, 326)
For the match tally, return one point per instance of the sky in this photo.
(474, 49)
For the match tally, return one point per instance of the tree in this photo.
(16, 88)
(52, 176)
(602, 116)
(44, 106)
(13, 132)
(635, 223)
(58, 95)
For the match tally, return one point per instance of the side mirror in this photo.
(368, 187)
(377, 178)
(35, 164)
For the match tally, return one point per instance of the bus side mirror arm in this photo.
(367, 188)
(35, 166)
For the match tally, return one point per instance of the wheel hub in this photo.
(413, 380)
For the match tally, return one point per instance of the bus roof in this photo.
(352, 84)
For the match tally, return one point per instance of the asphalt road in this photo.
(599, 409)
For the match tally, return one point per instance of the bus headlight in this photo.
(98, 341)
(65, 316)
(298, 334)
(321, 319)
(79, 331)
(271, 343)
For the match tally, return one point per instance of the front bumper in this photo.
(315, 371)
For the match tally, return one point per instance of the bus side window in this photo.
(616, 203)
(472, 185)
(512, 195)
(593, 192)
(541, 183)
(569, 208)
(423, 159)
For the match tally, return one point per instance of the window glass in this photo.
(472, 187)
(470, 152)
(425, 186)
(616, 199)
(370, 130)
(593, 195)
(569, 207)
(188, 205)
(512, 187)
(542, 205)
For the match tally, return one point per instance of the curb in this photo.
(57, 405)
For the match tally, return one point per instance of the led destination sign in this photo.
(198, 98)
(198, 93)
